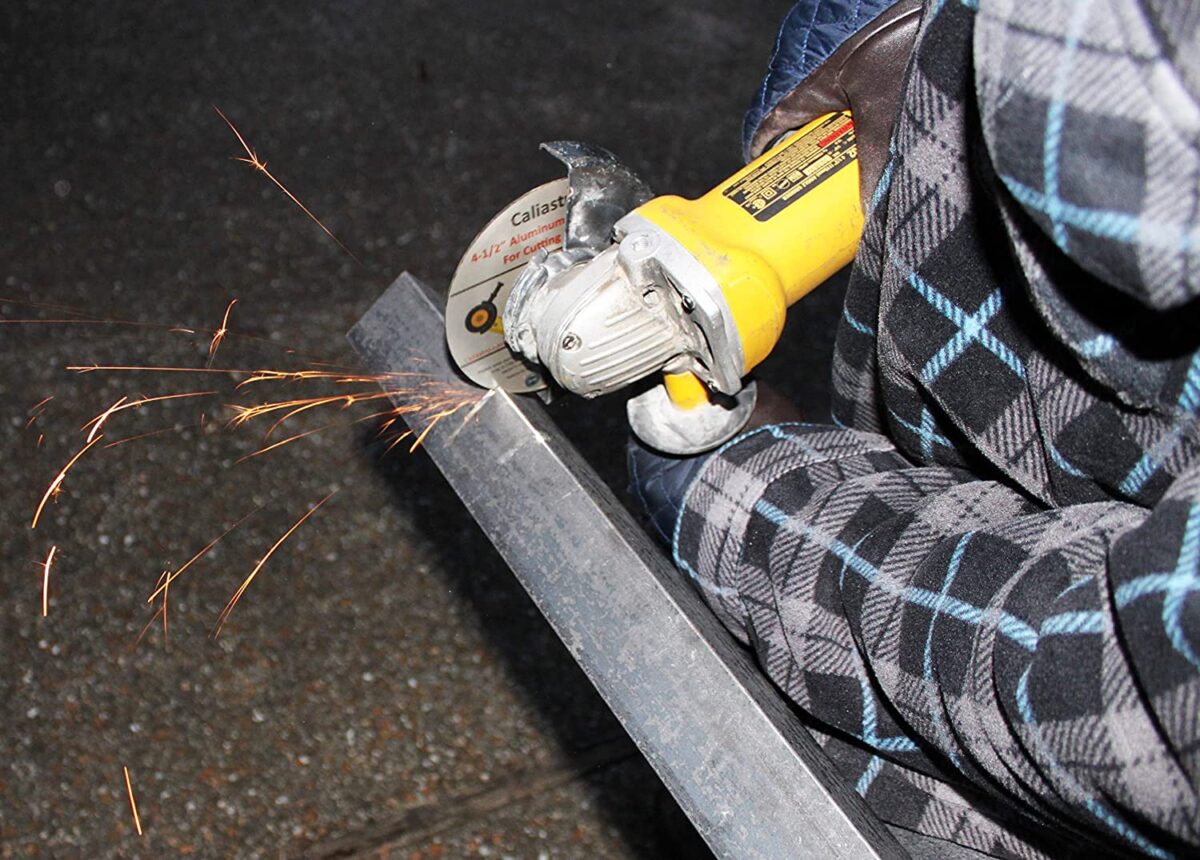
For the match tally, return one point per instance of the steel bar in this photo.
(725, 743)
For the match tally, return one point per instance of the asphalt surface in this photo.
(384, 687)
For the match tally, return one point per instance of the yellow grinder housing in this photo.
(774, 230)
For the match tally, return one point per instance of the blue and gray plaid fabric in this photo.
(983, 587)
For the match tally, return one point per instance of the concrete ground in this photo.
(385, 688)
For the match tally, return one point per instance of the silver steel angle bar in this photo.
(752, 780)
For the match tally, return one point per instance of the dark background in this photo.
(385, 684)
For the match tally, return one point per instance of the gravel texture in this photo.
(384, 679)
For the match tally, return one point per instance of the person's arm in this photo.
(1047, 657)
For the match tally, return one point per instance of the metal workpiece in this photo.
(736, 758)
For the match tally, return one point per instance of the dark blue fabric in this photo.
(659, 483)
(809, 35)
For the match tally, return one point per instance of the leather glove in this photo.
(865, 73)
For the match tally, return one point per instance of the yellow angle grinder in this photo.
(595, 283)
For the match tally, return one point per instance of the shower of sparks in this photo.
(292, 408)
(137, 821)
(424, 400)
(46, 580)
(56, 484)
(261, 166)
(237, 595)
(417, 398)
(219, 334)
(121, 405)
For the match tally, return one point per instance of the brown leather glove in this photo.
(865, 74)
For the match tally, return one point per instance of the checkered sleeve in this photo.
(985, 596)
(1043, 659)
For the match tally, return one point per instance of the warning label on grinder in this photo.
(800, 166)
(485, 276)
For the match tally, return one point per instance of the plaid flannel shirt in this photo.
(982, 587)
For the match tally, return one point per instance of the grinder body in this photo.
(775, 229)
(697, 289)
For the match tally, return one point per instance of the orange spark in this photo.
(83, 321)
(237, 595)
(261, 166)
(282, 442)
(160, 611)
(219, 334)
(164, 584)
(67, 309)
(427, 398)
(35, 411)
(157, 432)
(400, 438)
(53, 489)
(148, 625)
(137, 821)
(46, 580)
(165, 579)
(425, 432)
(98, 422)
(90, 368)
(121, 406)
(255, 374)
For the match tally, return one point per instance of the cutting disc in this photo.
(479, 290)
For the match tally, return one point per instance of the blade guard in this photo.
(603, 190)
